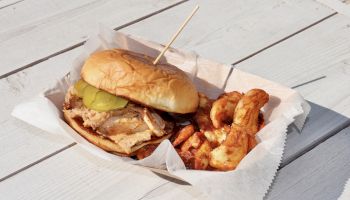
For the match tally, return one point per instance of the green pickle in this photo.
(80, 87)
(89, 95)
(105, 101)
(98, 100)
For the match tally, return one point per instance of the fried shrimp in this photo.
(247, 110)
(245, 124)
(217, 145)
(215, 135)
(223, 108)
(192, 142)
(201, 157)
(252, 141)
(228, 155)
(183, 134)
(202, 115)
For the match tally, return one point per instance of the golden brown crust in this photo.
(105, 143)
(248, 109)
(133, 76)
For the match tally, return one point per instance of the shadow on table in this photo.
(321, 124)
(171, 179)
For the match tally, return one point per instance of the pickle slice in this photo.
(105, 102)
(80, 87)
(97, 99)
(89, 95)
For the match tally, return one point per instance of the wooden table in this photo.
(302, 44)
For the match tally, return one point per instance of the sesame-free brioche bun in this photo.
(133, 76)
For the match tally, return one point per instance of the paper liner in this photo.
(255, 172)
(346, 192)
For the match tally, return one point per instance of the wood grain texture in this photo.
(174, 191)
(22, 144)
(319, 174)
(61, 26)
(323, 50)
(321, 124)
(29, 82)
(19, 140)
(75, 174)
(24, 16)
(228, 31)
(84, 176)
(338, 5)
(8, 3)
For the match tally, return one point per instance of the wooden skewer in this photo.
(176, 34)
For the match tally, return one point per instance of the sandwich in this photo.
(123, 102)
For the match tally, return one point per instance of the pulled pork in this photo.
(128, 126)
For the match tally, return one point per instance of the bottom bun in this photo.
(105, 143)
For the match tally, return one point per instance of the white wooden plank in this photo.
(8, 3)
(338, 5)
(19, 18)
(228, 31)
(20, 140)
(54, 31)
(323, 50)
(63, 188)
(321, 124)
(76, 174)
(336, 87)
(174, 191)
(29, 82)
(22, 144)
(319, 174)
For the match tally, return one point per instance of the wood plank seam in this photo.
(74, 143)
(285, 38)
(59, 151)
(62, 52)
(149, 192)
(228, 76)
(11, 4)
(38, 161)
(144, 196)
(81, 43)
(307, 82)
(332, 133)
(232, 67)
(278, 168)
(319, 174)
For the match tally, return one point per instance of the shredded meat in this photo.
(90, 117)
(71, 99)
(124, 121)
(75, 108)
(128, 126)
(126, 141)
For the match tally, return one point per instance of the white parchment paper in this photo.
(346, 192)
(255, 172)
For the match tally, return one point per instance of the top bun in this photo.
(132, 75)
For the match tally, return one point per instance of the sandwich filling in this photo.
(128, 125)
